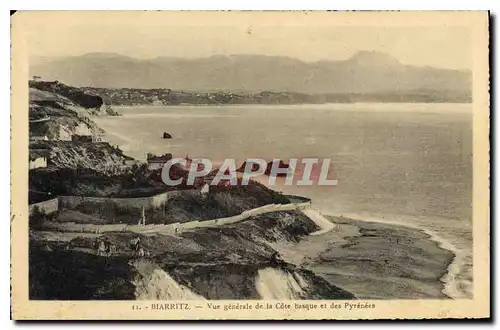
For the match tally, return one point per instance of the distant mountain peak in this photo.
(368, 58)
(364, 72)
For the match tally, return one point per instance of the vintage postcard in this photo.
(250, 165)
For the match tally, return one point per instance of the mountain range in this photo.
(364, 72)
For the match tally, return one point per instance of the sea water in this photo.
(402, 163)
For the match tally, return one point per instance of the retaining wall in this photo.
(72, 202)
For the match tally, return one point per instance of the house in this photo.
(200, 166)
(38, 158)
(157, 162)
(38, 162)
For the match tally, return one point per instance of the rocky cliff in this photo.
(66, 93)
(97, 156)
(58, 117)
(230, 262)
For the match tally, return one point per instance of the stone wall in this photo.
(72, 202)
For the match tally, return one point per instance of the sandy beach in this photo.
(374, 260)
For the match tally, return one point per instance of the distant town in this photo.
(133, 96)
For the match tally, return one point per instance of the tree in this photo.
(36, 218)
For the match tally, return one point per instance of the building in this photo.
(38, 158)
(157, 162)
(38, 162)
(200, 166)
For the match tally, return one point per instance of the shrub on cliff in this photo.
(37, 218)
(221, 202)
(76, 95)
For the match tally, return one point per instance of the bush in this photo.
(37, 218)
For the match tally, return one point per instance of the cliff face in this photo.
(231, 262)
(99, 156)
(58, 113)
(77, 96)
(57, 117)
(231, 281)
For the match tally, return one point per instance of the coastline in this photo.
(445, 283)
(450, 286)
(263, 105)
(376, 260)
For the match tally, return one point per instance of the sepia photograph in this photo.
(250, 165)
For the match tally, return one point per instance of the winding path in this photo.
(172, 229)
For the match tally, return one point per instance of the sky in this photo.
(309, 37)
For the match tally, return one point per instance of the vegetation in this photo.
(221, 202)
(37, 217)
(134, 182)
(215, 263)
(78, 96)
